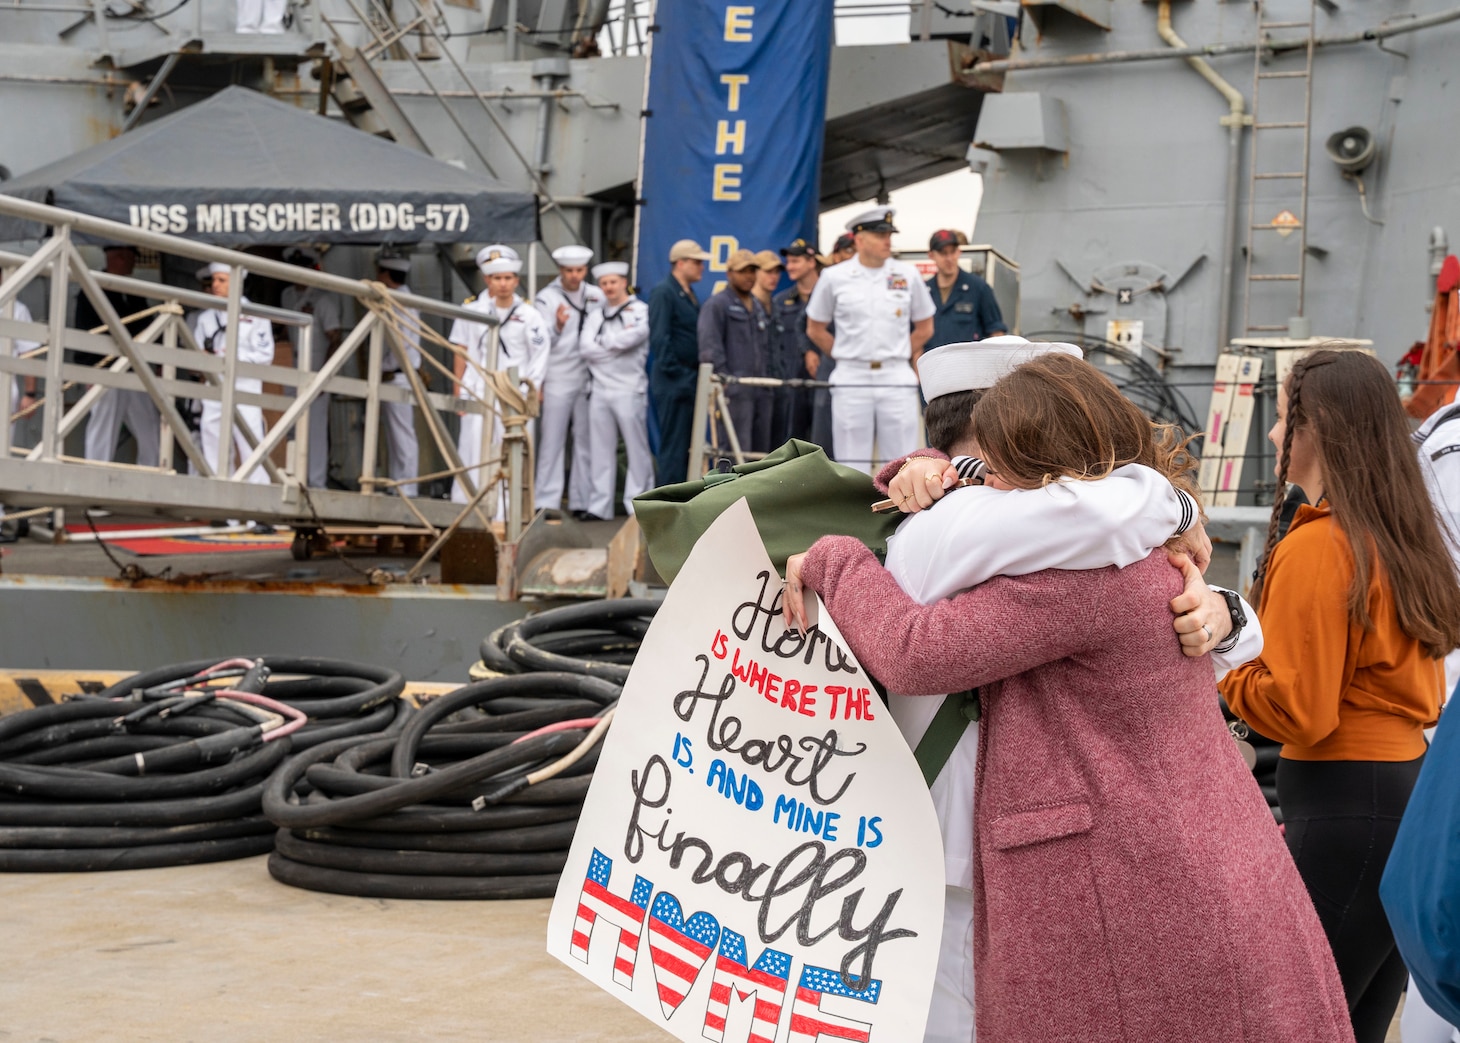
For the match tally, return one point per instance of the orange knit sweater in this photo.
(1325, 687)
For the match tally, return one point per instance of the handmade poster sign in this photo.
(758, 859)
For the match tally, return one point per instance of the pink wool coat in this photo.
(1129, 882)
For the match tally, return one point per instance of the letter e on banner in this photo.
(687, 866)
(737, 24)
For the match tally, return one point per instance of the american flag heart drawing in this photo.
(678, 948)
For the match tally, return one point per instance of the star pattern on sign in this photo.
(829, 982)
(771, 961)
(642, 890)
(599, 867)
(702, 927)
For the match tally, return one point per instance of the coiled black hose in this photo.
(466, 798)
(168, 766)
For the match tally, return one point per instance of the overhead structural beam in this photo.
(1379, 32)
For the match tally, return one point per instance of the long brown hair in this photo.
(1060, 417)
(1350, 408)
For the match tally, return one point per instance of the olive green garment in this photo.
(796, 496)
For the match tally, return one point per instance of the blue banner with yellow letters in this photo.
(733, 130)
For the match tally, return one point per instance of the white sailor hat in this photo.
(611, 268)
(878, 219)
(498, 258)
(975, 365)
(217, 268)
(572, 256)
(393, 263)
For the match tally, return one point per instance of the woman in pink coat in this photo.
(1129, 881)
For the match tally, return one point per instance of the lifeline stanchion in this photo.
(167, 767)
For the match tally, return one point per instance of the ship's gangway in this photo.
(166, 363)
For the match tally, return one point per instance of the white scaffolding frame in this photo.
(44, 476)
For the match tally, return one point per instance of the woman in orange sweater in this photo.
(1359, 602)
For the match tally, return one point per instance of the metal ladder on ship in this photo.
(1285, 224)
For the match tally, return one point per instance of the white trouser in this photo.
(873, 407)
(210, 427)
(115, 408)
(564, 401)
(261, 16)
(611, 414)
(950, 1017)
(1420, 1024)
(405, 452)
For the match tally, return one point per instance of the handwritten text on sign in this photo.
(758, 858)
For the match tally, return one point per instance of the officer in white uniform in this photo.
(324, 338)
(883, 315)
(565, 304)
(615, 345)
(524, 342)
(255, 344)
(400, 417)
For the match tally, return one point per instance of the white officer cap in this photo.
(979, 364)
(572, 256)
(498, 258)
(611, 268)
(393, 263)
(878, 219)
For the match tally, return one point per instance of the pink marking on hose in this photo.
(229, 664)
(562, 726)
(297, 718)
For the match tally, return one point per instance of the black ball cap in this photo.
(942, 238)
(798, 248)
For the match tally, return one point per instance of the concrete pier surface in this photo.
(222, 953)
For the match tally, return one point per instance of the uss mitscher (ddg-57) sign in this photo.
(758, 859)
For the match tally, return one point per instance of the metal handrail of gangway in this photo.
(217, 489)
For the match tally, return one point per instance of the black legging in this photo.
(1341, 819)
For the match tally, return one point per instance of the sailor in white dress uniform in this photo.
(523, 343)
(615, 346)
(255, 344)
(565, 304)
(883, 315)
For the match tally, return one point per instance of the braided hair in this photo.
(1292, 420)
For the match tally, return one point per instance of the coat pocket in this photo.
(1022, 828)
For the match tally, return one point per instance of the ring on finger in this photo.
(934, 478)
(1208, 630)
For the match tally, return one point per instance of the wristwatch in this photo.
(1239, 620)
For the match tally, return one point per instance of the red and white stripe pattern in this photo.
(678, 949)
(766, 981)
(811, 1024)
(596, 900)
